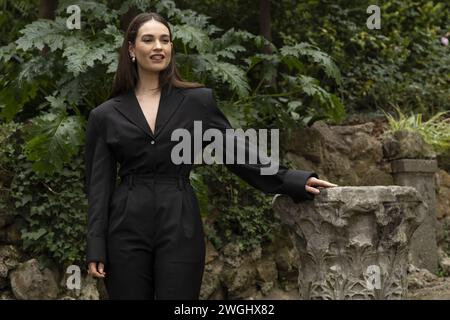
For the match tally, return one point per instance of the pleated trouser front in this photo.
(155, 244)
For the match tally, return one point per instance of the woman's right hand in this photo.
(96, 269)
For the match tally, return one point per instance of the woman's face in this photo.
(152, 49)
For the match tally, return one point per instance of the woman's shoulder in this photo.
(103, 109)
(202, 94)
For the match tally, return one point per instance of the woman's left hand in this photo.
(314, 182)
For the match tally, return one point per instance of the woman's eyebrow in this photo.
(151, 35)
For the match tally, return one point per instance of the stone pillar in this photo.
(353, 242)
(419, 173)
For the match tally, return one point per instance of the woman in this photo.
(145, 236)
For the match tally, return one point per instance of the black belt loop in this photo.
(180, 183)
(130, 181)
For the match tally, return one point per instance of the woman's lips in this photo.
(157, 57)
(157, 60)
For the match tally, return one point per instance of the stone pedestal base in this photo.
(353, 242)
(419, 173)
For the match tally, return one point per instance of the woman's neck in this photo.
(148, 83)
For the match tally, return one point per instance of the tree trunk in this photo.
(265, 23)
(126, 18)
(47, 9)
(265, 26)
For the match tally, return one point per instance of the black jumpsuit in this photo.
(147, 229)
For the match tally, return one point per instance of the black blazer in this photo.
(118, 133)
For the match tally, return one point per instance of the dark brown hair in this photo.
(126, 76)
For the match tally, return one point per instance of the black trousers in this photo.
(155, 244)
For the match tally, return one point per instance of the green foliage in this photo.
(74, 67)
(435, 132)
(51, 210)
(74, 73)
(401, 64)
(54, 139)
(52, 76)
(40, 33)
(316, 55)
(10, 11)
(243, 215)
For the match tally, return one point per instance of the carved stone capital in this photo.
(353, 242)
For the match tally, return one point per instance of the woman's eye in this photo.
(149, 40)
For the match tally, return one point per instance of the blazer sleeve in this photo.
(100, 180)
(285, 181)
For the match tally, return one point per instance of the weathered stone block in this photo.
(29, 282)
(353, 242)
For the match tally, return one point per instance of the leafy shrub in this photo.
(236, 211)
(434, 131)
(402, 64)
(51, 210)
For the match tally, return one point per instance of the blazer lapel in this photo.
(170, 101)
(129, 107)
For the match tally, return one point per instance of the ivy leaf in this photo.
(35, 235)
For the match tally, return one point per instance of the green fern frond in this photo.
(193, 37)
(229, 52)
(232, 36)
(228, 73)
(259, 57)
(310, 86)
(24, 7)
(321, 58)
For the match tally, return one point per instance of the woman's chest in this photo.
(131, 135)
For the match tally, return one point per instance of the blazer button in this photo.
(152, 142)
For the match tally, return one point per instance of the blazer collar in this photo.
(170, 101)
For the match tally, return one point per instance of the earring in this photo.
(133, 58)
